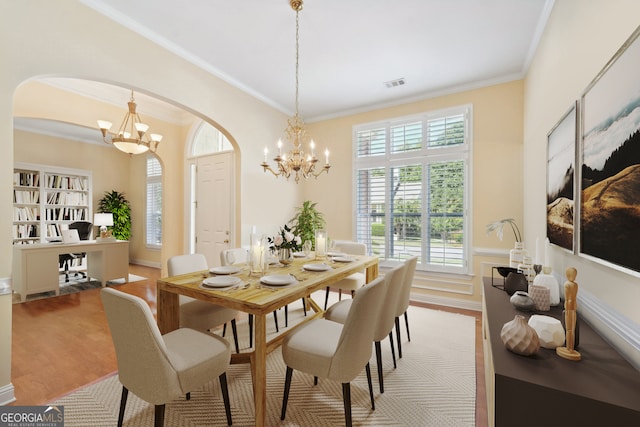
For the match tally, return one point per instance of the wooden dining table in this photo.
(253, 297)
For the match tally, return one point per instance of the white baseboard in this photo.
(145, 263)
(7, 394)
(447, 302)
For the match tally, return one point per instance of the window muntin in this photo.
(411, 197)
(209, 140)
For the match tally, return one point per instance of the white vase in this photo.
(547, 280)
(516, 255)
(526, 268)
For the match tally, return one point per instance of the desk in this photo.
(36, 267)
(257, 301)
(547, 390)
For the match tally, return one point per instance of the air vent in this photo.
(395, 83)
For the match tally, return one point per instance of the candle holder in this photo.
(321, 244)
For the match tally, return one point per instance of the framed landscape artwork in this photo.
(561, 162)
(610, 170)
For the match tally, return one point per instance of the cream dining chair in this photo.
(197, 314)
(160, 368)
(339, 312)
(336, 351)
(403, 300)
(353, 281)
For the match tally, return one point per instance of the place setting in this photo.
(224, 283)
(276, 281)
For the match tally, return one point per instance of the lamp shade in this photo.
(103, 219)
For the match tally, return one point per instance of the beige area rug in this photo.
(433, 385)
(75, 284)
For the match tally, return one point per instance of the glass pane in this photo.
(370, 209)
(209, 140)
(407, 137)
(446, 213)
(154, 213)
(446, 131)
(405, 240)
(371, 142)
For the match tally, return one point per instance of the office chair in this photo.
(66, 260)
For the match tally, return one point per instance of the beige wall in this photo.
(580, 38)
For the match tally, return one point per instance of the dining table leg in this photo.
(259, 368)
(168, 311)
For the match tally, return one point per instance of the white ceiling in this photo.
(348, 48)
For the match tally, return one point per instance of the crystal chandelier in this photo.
(132, 137)
(295, 161)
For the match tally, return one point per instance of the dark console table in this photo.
(544, 390)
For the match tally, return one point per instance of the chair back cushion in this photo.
(233, 256)
(405, 293)
(354, 346)
(183, 264)
(352, 248)
(143, 364)
(387, 314)
(83, 227)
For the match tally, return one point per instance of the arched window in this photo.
(154, 202)
(209, 140)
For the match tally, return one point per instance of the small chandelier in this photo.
(132, 137)
(295, 161)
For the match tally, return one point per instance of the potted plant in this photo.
(116, 204)
(308, 219)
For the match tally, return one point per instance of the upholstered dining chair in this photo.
(403, 300)
(336, 351)
(386, 316)
(159, 368)
(197, 314)
(353, 281)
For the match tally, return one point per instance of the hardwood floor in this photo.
(63, 343)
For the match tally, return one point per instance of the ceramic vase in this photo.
(540, 296)
(547, 280)
(516, 255)
(526, 268)
(515, 282)
(522, 301)
(285, 256)
(519, 337)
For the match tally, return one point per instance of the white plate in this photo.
(277, 279)
(299, 254)
(221, 281)
(344, 259)
(316, 267)
(333, 253)
(225, 269)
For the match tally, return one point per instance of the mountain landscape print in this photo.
(561, 154)
(610, 170)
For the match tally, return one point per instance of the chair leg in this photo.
(368, 369)
(406, 321)
(224, 329)
(251, 331)
(188, 396)
(123, 404)
(379, 362)
(393, 349)
(285, 397)
(326, 299)
(346, 397)
(225, 396)
(159, 417)
(234, 328)
(399, 339)
(275, 317)
(286, 316)
(315, 380)
(304, 306)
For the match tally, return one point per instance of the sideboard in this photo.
(547, 390)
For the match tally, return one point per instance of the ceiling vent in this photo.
(395, 83)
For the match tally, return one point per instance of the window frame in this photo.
(424, 156)
(152, 180)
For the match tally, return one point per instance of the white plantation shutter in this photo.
(411, 188)
(154, 202)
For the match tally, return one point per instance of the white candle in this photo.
(320, 245)
(326, 156)
(538, 259)
(266, 152)
(547, 253)
(279, 147)
(313, 148)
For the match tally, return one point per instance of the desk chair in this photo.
(336, 351)
(159, 368)
(197, 314)
(66, 260)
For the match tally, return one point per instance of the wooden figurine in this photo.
(570, 307)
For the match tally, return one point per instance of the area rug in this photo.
(74, 285)
(433, 385)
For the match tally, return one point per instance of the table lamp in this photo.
(104, 220)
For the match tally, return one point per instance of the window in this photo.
(154, 202)
(209, 140)
(412, 191)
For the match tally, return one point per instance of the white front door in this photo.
(213, 205)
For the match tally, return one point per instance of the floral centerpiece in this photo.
(285, 243)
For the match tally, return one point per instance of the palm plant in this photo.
(307, 220)
(116, 203)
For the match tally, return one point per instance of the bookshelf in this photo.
(46, 199)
